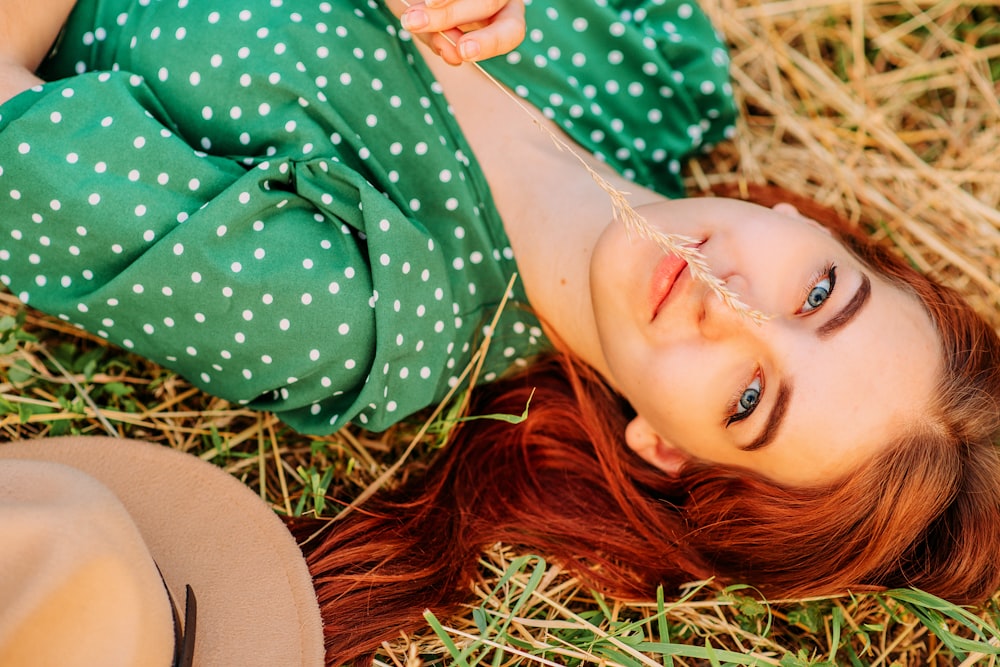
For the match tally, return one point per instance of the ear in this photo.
(647, 443)
(789, 210)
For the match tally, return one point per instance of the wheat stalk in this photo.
(675, 244)
(681, 246)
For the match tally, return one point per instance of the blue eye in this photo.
(820, 291)
(746, 402)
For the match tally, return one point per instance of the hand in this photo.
(467, 30)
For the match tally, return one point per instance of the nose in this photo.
(718, 319)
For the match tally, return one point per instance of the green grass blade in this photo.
(932, 610)
(662, 626)
(457, 656)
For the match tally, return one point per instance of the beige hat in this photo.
(99, 540)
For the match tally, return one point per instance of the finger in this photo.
(422, 18)
(501, 35)
(445, 44)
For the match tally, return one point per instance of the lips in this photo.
(665, 276)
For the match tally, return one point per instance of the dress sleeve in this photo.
(254, 282)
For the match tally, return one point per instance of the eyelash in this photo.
(829, 272)
(732, 413)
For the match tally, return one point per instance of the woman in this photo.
(279, 203)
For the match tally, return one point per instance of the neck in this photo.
(552, 208)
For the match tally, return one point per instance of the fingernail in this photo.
(415, 19)
(469, 50)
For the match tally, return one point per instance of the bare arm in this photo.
(28, 29)
(15, 79)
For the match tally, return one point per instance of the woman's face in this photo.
(845, 360)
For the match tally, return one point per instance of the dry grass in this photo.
(887, 111)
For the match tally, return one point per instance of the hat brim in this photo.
(255, 597)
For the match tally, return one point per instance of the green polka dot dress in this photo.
(273, 199)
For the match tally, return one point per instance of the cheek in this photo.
(666, 391)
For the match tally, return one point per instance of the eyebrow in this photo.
(773, 420)
(849, 311)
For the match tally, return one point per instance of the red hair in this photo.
(922, 513)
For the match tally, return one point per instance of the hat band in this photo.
(183, 638)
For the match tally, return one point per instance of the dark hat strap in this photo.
(183, 636)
